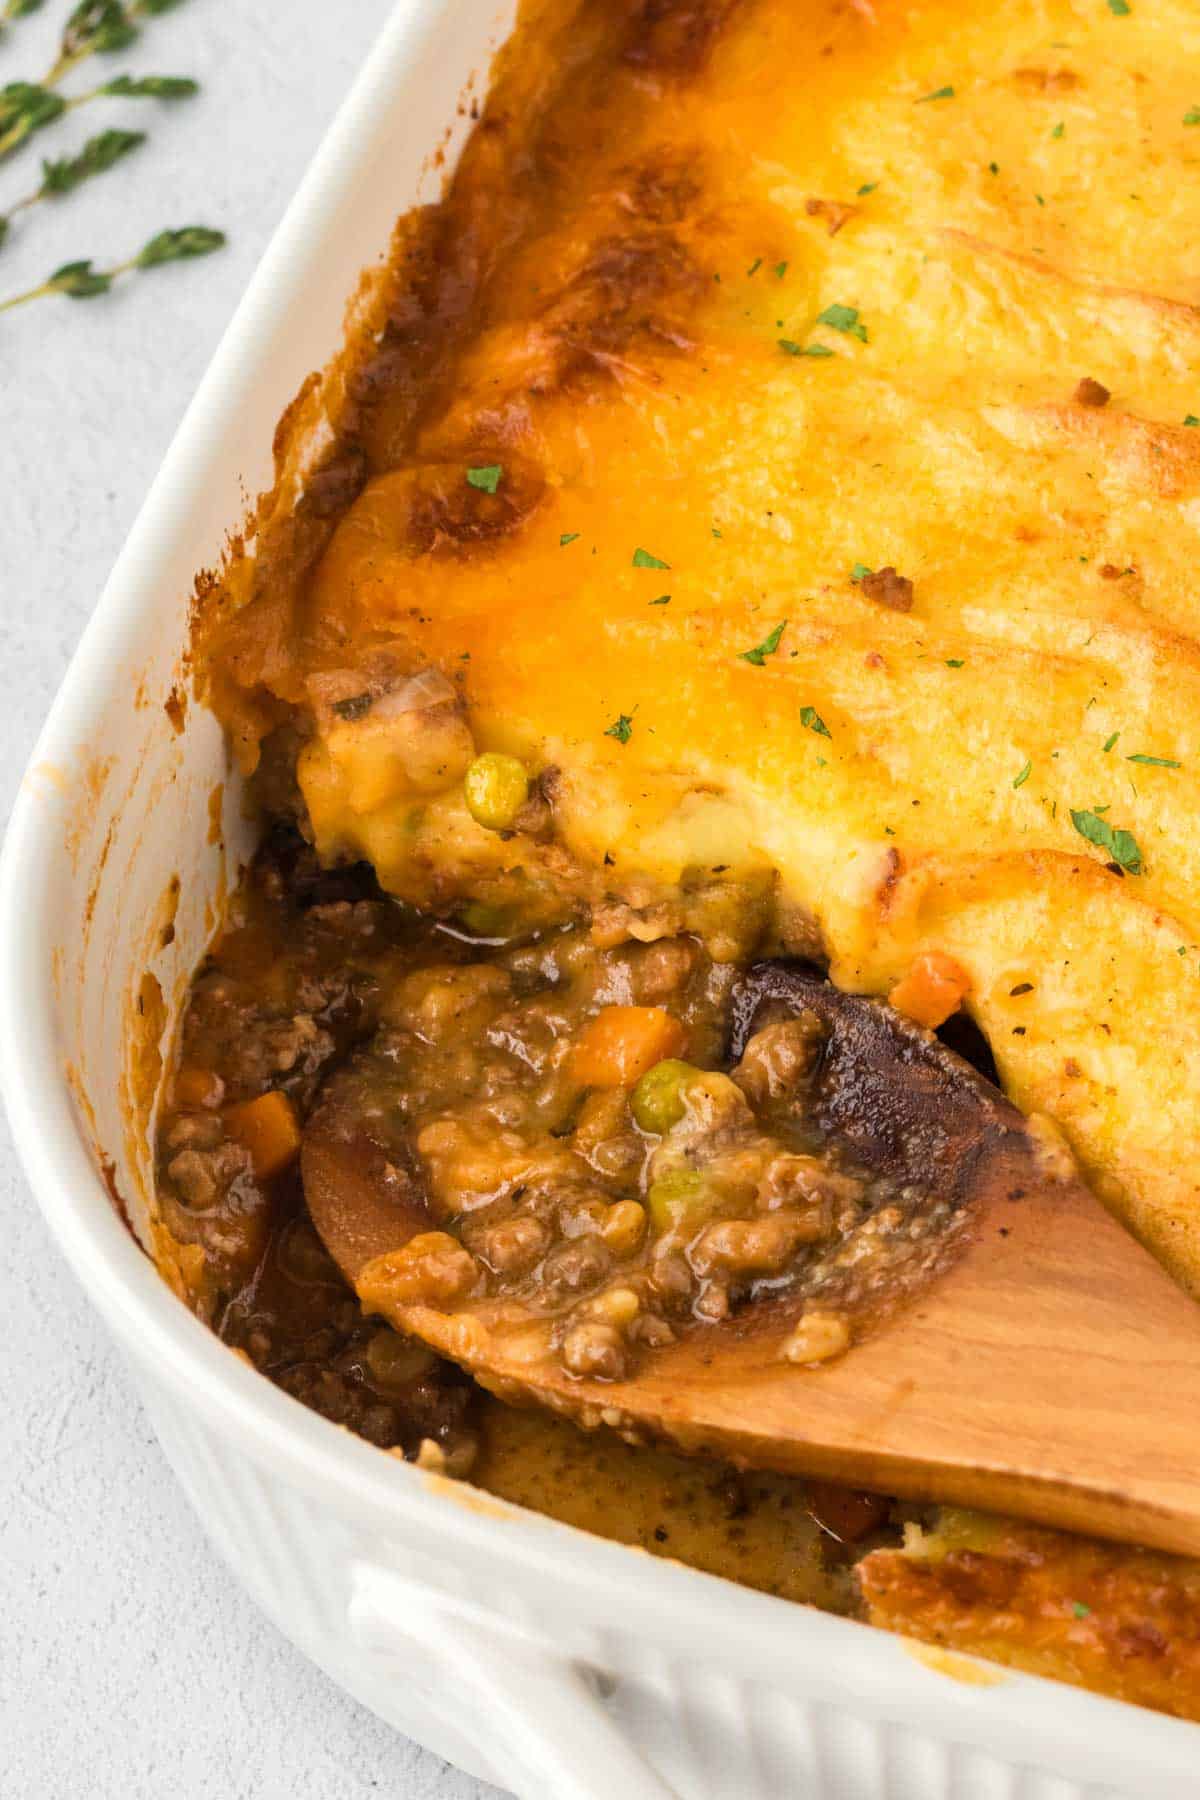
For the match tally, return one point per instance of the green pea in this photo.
(681, 1197)
(657, 1102)
(484, 921)
(496, 788)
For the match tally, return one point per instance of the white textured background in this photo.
(131, 1666)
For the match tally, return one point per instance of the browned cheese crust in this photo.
(1123, 1622)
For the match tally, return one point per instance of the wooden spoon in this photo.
(1049, 1368)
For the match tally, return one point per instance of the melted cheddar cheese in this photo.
(729, 303)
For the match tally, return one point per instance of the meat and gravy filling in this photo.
(597, 1170)
(589, 1158)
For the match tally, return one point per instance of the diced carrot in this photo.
(847, 1514)
(933, 989)
(198, 1087)
(269, 1129)
(621, 1043)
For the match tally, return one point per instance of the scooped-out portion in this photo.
(590, 1150)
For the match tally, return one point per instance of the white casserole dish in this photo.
(553, 1663)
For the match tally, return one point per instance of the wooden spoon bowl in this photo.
(1042, 1364)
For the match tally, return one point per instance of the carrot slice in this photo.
(269, 1129)
(621, 1043)
(198, 1087)
(933, 989)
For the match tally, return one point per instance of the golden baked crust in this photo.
(741, 297)
(1120, 1621)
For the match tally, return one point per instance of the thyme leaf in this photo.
(83, 281)
(98, 155)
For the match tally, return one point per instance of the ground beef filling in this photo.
(583, 1148)
(580, 1143)
(292, 985)
(301, 1325)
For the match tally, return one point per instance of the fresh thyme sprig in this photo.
(28, 106)
(69, 172)
(25, 108)
(83, 281)
(17, 9)
(99, 27)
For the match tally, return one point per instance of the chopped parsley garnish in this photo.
(1191, 420)
(487, 478)
(1110, 741)
(810, 717)
(1192, 116)
(768, 647)
(1023, 777)
(568, 537)
(868, 187)
(944, 93)
(1058, 130)
(755, 266)
(642, 559)
(1119, 9)
(954, 662)
(355, 707)
(621, 728)
(780, 271)
(1039, 200)
(994, 168)
(794, 349)
(844, 318)
(859, 570)
(1122, 846)
(1080, 1610)
(663, 600)
(1155, 762)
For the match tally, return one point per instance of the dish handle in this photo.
(545, 1729)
